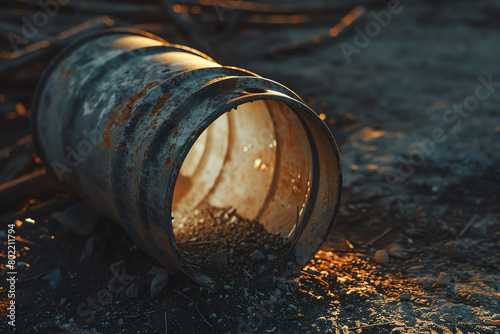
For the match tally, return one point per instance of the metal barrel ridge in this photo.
(146, 131)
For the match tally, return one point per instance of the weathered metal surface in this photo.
(116, 114)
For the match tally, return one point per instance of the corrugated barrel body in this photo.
(146, 131)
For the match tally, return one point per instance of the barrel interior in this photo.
(255, 164)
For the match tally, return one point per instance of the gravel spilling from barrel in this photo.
(221, 244)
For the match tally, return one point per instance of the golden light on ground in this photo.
(181, 8)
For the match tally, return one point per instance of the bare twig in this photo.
(40, 209)
(23, 144)
(295, 317)
(347, 23)
(372, 325)
(469, 224)
(485, 280)
(247, 273)
(139, 314)
(43, 49)
(380, 236)
(195, 304)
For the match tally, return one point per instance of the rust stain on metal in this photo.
(160, 104)
(121, 115)
(64, 73)
(167, 163)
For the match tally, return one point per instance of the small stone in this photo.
(426, 283)
(120, 322)
(294, 285)
(332, 277)
(416, 232)
(220, 257)
(381, 257)
(116, 265)
(21, 265)
(449, 317)
(159, 282)
(63, 301)
(77, 219)
(273, 299)
(443, 279)
(281, 283)
(350, 307)
(258, 255)
(88, 248)
(398, 251)
(134, 290)
(271, 257)
(405, 297)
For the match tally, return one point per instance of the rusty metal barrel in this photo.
(146, 131)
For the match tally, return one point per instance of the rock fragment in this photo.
(443, 279)
(405, 297)
(220, 257)
(258, 255)
(381, 257)
(159, 282)
(77, 219)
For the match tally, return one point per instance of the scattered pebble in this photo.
(405, 297)
(271, 257)
(381, 256)
(134, 290)
(426, 283)
(258, 255)
(449, 317)
(398, 251)
(159, 282)
(77, 219)
(21, 265)
(221, 257)
(443, 279)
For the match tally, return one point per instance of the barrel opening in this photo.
(245, 189)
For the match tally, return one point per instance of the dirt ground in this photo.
(421, 182)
